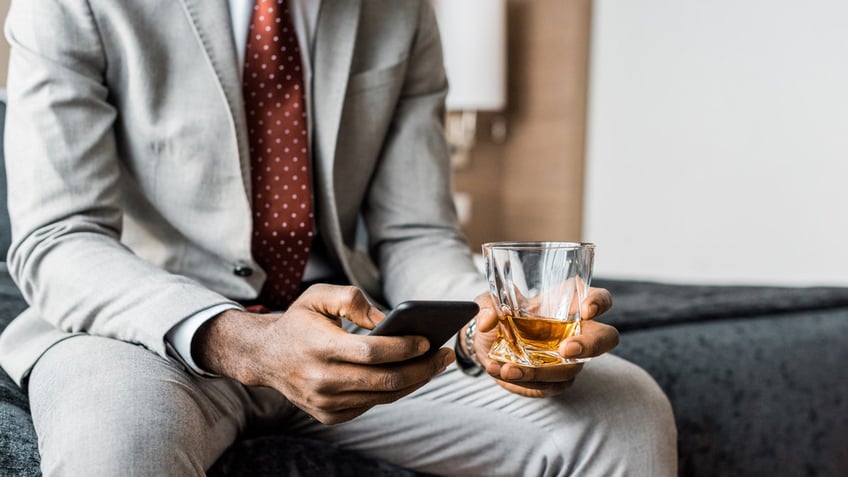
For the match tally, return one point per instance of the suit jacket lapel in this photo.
(336, 32)
(336, 35)
(214, 30)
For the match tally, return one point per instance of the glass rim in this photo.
(537, 245)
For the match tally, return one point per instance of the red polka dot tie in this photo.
(279, 158)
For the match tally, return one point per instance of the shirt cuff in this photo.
(182, 334)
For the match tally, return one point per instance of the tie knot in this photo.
(271, 31)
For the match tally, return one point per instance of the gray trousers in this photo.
(103, 407)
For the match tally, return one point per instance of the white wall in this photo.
(718, 141)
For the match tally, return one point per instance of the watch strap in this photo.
(469, 365)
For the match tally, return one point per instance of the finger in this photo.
(342, 302)
(375, 350)
(388, 378)
(535, 390)
(416, 372)
(539, 376)
(328, 341)
(487, 317)
(595, 339)
(349, 405)
(336, 417)
(364, 400)
(598, 302)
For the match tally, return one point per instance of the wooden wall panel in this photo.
(531, 186)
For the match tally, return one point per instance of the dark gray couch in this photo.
(756, 376)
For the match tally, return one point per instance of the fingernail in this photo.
(573, 348)
(593, 310)
(514, 373)
(423, 346)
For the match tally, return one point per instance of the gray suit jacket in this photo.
(128, 164)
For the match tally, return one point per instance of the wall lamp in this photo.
(473, 36)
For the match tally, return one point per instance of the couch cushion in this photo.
(761, 395)
(290, 455)
(642, 305)
(18, 443)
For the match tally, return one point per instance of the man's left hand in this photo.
(595, 339)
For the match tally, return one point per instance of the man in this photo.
(179, 168)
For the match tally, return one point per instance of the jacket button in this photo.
(243, 271)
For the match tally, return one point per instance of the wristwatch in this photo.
(468, 364)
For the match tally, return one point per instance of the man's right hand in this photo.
(305, 354)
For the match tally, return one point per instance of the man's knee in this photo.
(102, 407)
(630, 428)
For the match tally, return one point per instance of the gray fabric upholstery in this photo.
(292, 456)
(760, 396)
(643, 305)
(756, 375)
(18, 445)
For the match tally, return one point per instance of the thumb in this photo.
(487, 317)
(341, 302)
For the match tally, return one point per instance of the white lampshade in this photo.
(474, 42)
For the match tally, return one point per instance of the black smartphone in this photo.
(435, 320)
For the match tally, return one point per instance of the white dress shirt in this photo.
(305, 18)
